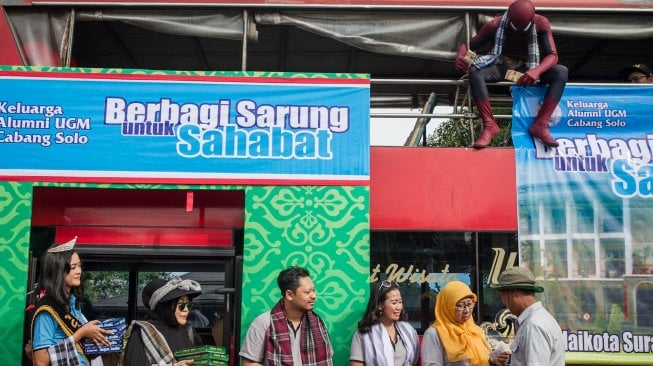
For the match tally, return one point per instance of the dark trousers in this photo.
(555, 77)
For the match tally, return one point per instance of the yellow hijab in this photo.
(461, 341)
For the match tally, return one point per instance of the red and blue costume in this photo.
(522, 42)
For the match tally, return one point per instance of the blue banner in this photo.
(585, 211)
(173, 128)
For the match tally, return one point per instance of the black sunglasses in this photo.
(182, 306)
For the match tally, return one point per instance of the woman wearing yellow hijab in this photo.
(454, 339)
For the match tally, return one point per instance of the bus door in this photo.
(113, 287)
(127, 237)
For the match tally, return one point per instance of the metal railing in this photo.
(462, 105)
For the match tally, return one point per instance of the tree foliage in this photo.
(104, 285)
(458, 132)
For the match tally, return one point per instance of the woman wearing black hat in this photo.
(155, 340)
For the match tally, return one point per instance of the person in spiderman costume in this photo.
(522, 42)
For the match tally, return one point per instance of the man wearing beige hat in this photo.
(539, 339)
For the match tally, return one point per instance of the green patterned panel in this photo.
(324, 229)
(15, 216)
(274, 74)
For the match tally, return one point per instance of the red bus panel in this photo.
(443, 189)
(145, 236)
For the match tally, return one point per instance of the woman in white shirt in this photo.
(383, 337)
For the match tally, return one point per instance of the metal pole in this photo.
(434, 115)
(245, 28)
(66, 51)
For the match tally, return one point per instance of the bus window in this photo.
(107, 296)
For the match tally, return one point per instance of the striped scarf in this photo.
(64, 353)
(314, 343)
(156, 348)
(533, 48)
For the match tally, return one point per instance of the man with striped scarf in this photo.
(290, 334)
(522, 41)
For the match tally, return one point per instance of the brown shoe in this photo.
(490, 127)
(542, 133)
(489, 131)
(540, 127)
